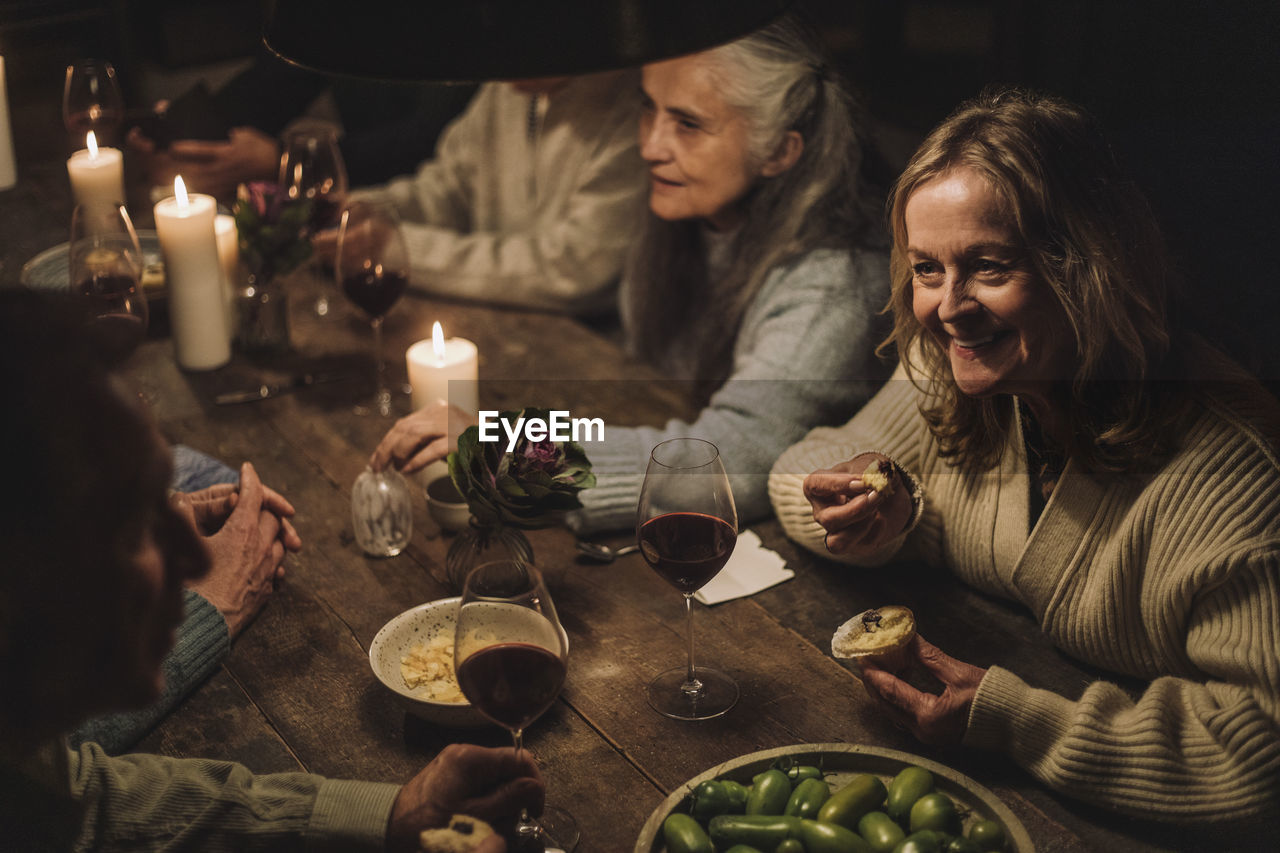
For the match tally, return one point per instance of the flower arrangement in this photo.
(274, 230)
(529, 487)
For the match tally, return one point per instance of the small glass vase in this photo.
(381, 512)
(262, 314)
(483, 543)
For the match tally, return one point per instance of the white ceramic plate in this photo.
(842, 761)
(48, 270)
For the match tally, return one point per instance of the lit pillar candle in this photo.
(8, 168)
(97, 175)
(224, 227)
(197, 309)
(433, 363)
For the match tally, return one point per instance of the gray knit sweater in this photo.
(804, 356)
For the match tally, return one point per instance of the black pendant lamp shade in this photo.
(500, 39)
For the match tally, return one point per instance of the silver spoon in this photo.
(604, 553)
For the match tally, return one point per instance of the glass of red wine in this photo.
(511, 655)
(311, 167)
(105, 269)
(372, 268)
(687, 526)
(91, 100)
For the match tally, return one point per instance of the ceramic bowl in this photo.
(418, 626)
(446, 506)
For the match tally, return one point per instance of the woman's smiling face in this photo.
(974, 290)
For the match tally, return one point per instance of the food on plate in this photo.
(879, 476)
(428, 671)
(462, 835)
(153, 275)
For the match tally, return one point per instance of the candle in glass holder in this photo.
(433, 363)
(228, 237)
(97, 175)
(197, 307)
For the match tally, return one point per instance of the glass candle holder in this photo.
(381, 512)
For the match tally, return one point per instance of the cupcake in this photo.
(880, 635)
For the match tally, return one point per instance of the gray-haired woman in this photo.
(758, 274)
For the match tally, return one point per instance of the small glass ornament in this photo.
(381, 512)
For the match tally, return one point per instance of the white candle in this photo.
(224, 228)
(97, 175)
(8, 168)
(197, 309)
(434, 363)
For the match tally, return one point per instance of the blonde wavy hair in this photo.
(1092, 238)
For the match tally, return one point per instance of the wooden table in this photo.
(297, 692)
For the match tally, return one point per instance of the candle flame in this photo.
(437, 341)
(180, 192)
(91, 142)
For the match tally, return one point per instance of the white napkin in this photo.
(752, 568)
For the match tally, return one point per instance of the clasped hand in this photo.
(247, 531)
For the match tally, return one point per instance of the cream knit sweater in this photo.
(1172, 577)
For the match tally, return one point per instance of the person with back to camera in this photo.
(1055, 436)
(91, 590)
(757, 276)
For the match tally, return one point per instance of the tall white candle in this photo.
(224, 227)
(8, 167)
(197, 309)
(97, 175)
(434, 363)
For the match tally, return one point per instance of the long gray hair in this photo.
(779, 81)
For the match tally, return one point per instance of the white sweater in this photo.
(1171, 576)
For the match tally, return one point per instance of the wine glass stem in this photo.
(692, 686)
(382, 397)
(525, 827)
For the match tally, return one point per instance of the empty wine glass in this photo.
(91, 100)
(687, 526)
(372, 268)
(511, 656)
(311, 167)
(105, 267)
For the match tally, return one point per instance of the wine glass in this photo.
(91, 100)
(372, 268)
(311, 167)
(106, 269)
(687, 526)
(510, 654)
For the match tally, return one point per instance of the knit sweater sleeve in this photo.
(806, 356)
(149, 802)
(890, 423)
(1184, 750)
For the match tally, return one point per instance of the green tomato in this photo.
(710, 798)
(808, 797)
(909, 785)
(744, 848)
(763, 832)
(861, 794)
(738, 794)
(988, 834)
(683, 834)
(959, 844)
(801, 772)
(880, 831)
(919, 842)
(935, 811)
(791, 845)
(770, 791)
(821, 837)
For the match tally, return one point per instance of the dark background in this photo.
(1189, 90)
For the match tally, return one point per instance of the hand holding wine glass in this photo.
(687, 526)
(510, 656)
(105, 269)
(91, 100)
(372, 268)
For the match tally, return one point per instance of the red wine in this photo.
(117, 335)
(512, 683)
(687, 548)
(375, 293)
(104, 123)
(120, 315)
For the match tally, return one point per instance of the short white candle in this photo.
(97, 175)
(224, 227)
(197, 309)
(433, 363)
(8, 167)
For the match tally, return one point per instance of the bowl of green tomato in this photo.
(832, 798)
